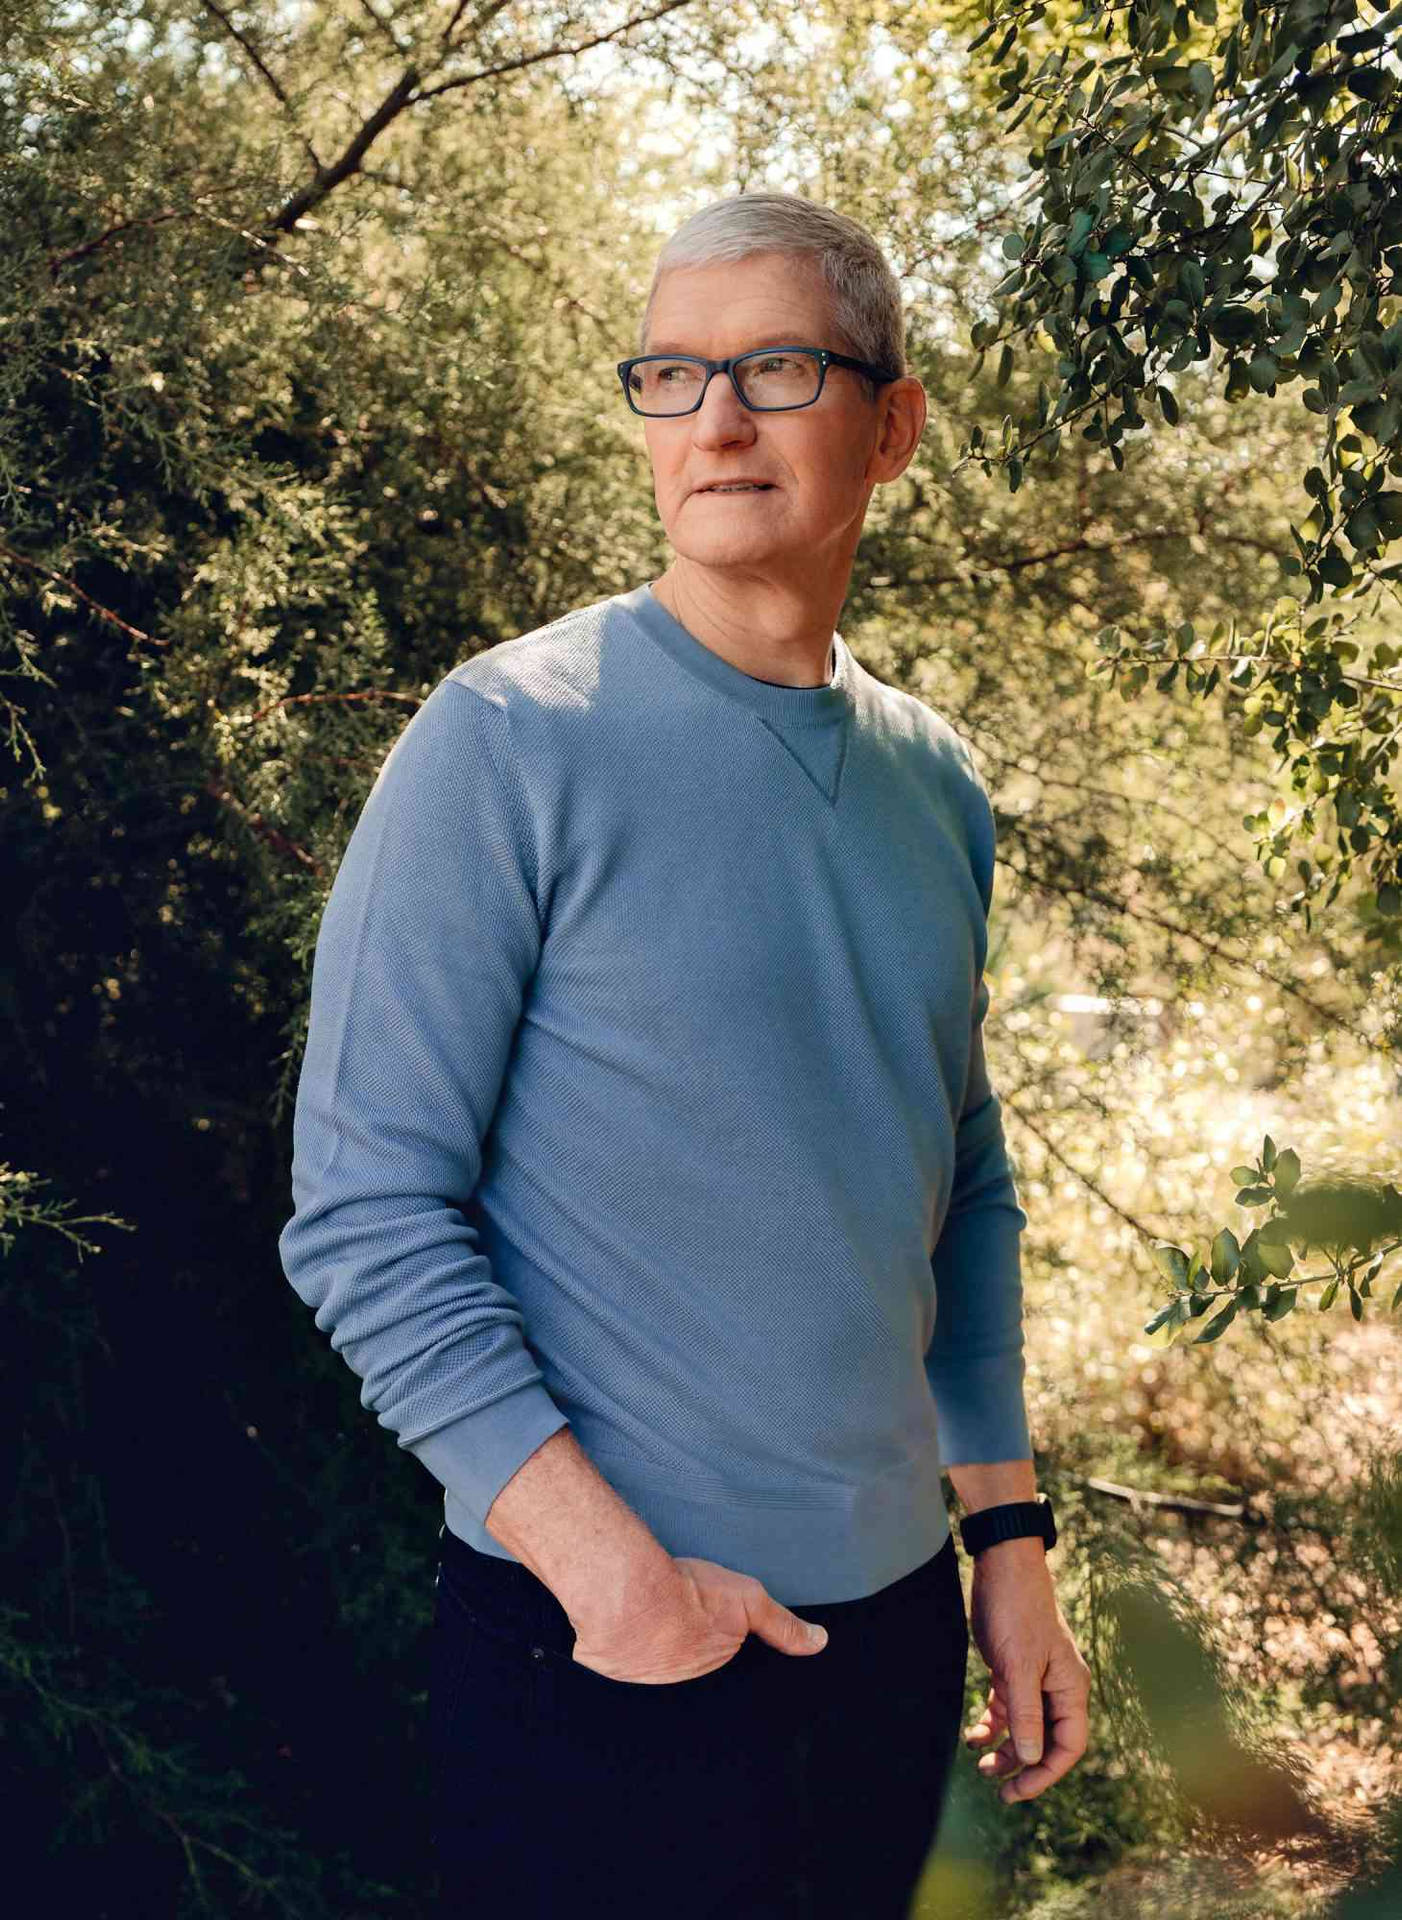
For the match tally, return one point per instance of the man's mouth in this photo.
(739, 486)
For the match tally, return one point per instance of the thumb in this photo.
(1025, 1718)
(773, 1622)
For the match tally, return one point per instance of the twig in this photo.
(59, 579)
(260, 826)
(1172, 1502)
(549, 53)
(300, 699)
(275, 85)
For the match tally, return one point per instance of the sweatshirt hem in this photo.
(804, 1555)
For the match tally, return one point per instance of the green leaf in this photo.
(1226, 1255)
(1388, 507)
(1275, 1257)
(1218, 1324)
(1279, 1302)
(1005, 365)
(1232, 326)
(1287, 1171)
(1082, 220)
(1329, 1295)
(1174, 1262)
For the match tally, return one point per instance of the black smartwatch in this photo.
(1008, 1522)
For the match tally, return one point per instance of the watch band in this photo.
(1009, 1521)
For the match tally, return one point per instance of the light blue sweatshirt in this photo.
(644, 1091)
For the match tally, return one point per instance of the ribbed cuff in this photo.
(473, 1458)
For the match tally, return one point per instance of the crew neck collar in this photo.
(772, 702)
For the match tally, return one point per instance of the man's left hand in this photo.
(1040, 1684)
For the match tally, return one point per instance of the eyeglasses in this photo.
(767, 379)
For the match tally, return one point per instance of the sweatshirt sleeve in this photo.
(425, 951)
(975, 1361)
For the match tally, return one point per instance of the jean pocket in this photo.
(691, 1687)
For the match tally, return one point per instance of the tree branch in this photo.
(57, 261)
(275, 85)
(406, 92)
(62, 580)
(257, 824)
(1085, 1179)
(327, 179)
(305, 699)
(1173, 1502)
(549, 53)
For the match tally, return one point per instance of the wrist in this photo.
(1026, 1549)
(607, 1591)
(1009, 1523)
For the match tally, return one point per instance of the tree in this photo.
(1223, 186)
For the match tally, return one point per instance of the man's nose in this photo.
(721, 418)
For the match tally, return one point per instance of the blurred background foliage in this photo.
(308, 316)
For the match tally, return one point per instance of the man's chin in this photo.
(721, 552)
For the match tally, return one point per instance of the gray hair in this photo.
(864, 293)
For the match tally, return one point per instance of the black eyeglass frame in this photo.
(823, 355)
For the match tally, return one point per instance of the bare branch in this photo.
(71, 586)
(58, 261)
(1087, 1181)
(549, 53)
(306, 699)
(257, 824)
(406, 92)
(458, 11)
(483, 19)
(329, 178)
(1171, 1502)
(274, 84)
(1072, 888)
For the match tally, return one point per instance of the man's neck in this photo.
(784, 638)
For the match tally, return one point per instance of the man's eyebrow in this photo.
(774, 340)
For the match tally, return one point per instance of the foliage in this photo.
(1220, 185)
(1346, 1217)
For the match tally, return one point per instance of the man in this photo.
(648, 1173)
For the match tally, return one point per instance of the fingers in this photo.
(1066, 1743)
(990, 1723)
(1067, 1727)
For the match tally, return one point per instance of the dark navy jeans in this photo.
(776, 1787)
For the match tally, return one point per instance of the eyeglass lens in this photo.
(767, 380)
